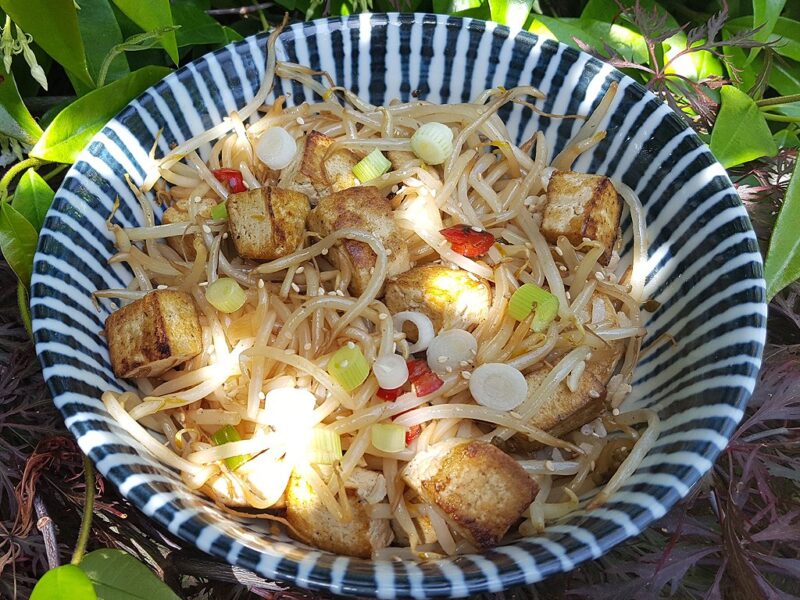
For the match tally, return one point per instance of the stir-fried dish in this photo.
(390, 328)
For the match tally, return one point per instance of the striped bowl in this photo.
(703, 344)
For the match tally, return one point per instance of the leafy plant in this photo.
(729, 68)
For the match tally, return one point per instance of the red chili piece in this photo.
(422, 378)
(412, 433)
(232, 178)
(389, 395)
(468, 242)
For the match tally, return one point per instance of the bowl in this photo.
(700, 356)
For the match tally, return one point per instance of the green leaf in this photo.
(72, 129)
(782, 266)
(785, 77)
(54, 26)
(32, 198)
(152, 15)
(608, 10)
(510, 12)
(786, 138)
(100, 32)
(17, 241)
(741, 132)
(196, 27)
(563, 30)
(135, 43)
(231, 35)
(765, 15)
(66, 581)
(626, 41)
(24, 306)
(119, 576)
(15, 120)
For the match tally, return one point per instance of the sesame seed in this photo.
(225, 236)
(388, 252)
(441, 360)
(344, 364)
(559, 251)
(594, 394)
(206, 229)
(161, 287)
(591, 466)
(599, 276)
(340, 293)
(449, 369)
(300, 121)
(324, 251)
(473, 351)
(261, 395)
(307, 346)
(295, 287)
(463, 363)
(562, 268)
(514, 414)
(351, 345)
(478, 229)
(466, 374)
(290, 351)
(548, 464)
(300, 269)
(383, 316)
(321, 291)
(615, 412)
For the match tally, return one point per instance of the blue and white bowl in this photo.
(703, 268)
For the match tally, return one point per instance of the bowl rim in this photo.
(505, 579)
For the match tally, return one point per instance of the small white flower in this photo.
(24, 39)
(7, 44)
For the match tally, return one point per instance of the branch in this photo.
(48, 530)
(241, 10)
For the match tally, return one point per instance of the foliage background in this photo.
(731, 69)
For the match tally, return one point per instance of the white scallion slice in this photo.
(226, 295)
(391, 371)
(276, 148)
(324, 447)
(372, 166)
(433, 143)
(424, 327)
(348, 366)
(498, 386)
(388, 437)
(451, 349)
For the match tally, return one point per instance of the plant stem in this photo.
(45, 525)
(778, 100)
(781, 118)
(88, 511)
(241, 10)
(24, 309)
(13, 171)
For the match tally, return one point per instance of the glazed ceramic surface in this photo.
(703, 344)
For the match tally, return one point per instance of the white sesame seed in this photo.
(441, 360)
(261, 395)
(324, 251)
(295, 287)
(562, 268)
(307, 346)
(615, 412)
(463, 363)
(300, 269)
(599, 276)
(383, 316)
(548, 464)
(340, 293)
(225, 236)
(344, 364)
(161, 287)
(388, 252)
(351, 345)
(477, 229)
(290, 351)
(559, 251)
(321, 291)
(466, 374)
(300, 121)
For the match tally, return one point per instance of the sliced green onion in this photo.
(225, 295)
(372, 166)
(523, 301)
(229, 434)
(388, 437)
(220, 211)
(348, 366)
(433, 143)
(498, 386)
(324, 447)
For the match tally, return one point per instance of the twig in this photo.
(13, 171)
(241, 10)
(88, 510)
(778, 100)
(45, 525)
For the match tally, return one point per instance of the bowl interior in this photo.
(703, 344)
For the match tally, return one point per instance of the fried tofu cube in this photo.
(480, 489)
(567, 410)
(153, 334)
(267, 223)
(326, 173)
(582, 206)
(363, 208)
(313, 524)
(451, 298)
(187, 211)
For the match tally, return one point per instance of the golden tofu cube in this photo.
(326, 173)
(187, 211)
(153, 334)
(480, 489)
(313, 524)
(451, 298)
(267, 223)
(582, 206)
(363, 208)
